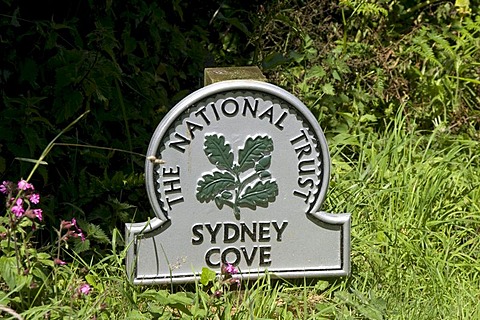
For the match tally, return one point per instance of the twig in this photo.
(11, 312)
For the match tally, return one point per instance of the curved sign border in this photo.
(137, 232)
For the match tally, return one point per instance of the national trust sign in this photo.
(245, 168)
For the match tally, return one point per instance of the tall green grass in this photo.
(415, 203)
(415, 200)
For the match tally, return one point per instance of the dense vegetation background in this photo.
(394, 75)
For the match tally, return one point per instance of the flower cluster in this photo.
(227, 281)
(84, 289)
(229, 269)
(68, 229)
(73, 231)
(20, 198)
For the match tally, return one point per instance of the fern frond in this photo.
(371, 10)
(442, 43)
(422, 48)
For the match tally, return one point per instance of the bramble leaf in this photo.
(259, 195)
(219, 152)
(212, 184)
(254, 150)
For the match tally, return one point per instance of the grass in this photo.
(415, 204)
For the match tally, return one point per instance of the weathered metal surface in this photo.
(213, 75)
(246, 169)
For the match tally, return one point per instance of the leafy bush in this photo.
(394, 83)
(357, 62)
(126, 63)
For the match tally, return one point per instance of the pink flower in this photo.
(38, 214)
(82, 236)
(34, 198)
(4, 187)
(24, 185)
(235, 282)
(75, 234)
(79, 232)
(68, 235)
(66, 224)
(59, 262)
(230, 269)
(17, 209)
(85, 289)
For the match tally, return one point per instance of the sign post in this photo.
(245, 168)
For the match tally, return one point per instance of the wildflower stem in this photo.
(11, 232)
(49, 147)
(59, 242)
(98, 147)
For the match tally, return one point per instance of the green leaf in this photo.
(327, 88)
(158, 310)
(207, 276)
(212, 184)
(136, 315)
(95, 282)
(4, 298)
(462, 3)
(259, 195)
(335, 75)
(45, 259)
(236, 23)
(8, 271)
(273, 59)
(316, 72)
(345, 139)
(368, 118)
(95, 232)
(254, 150)
(180, 298)
(322, 285)
(162, 297)
(296, 56)
(219, 152)
(180, 301)
(81, 246)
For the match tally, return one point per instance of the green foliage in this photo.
(414, 196)
(414, 239)
(208, 276)
(394, 83)
(30, 275)
(126, 63)
(356, 62)
(446, 61)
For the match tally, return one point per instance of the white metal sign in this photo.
(246, 169)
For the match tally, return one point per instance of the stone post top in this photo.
(213, 75)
